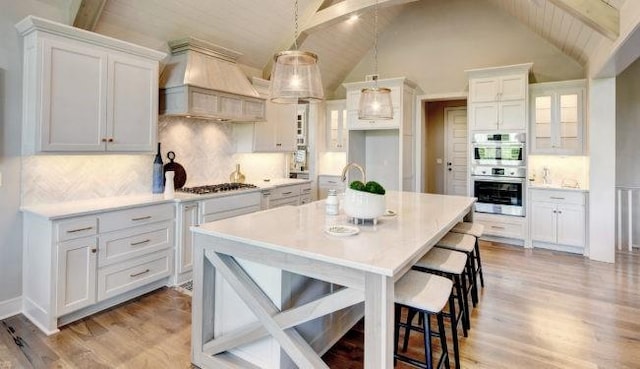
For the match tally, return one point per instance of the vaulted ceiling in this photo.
(258, 28)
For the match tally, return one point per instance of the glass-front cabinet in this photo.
(558, 117)
(336, 124)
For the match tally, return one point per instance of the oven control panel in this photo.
(516, 172)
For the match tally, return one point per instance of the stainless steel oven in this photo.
(500, 190)
(503, 149)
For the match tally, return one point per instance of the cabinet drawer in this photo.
(293, 201)
(560, 197)
(76, 228)
(231, 202)
(119, 278)
(305, 189)
(330, 182)
(122, 219)
(124, 245)
(501, 226)
(284, 192)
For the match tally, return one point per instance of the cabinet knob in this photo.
(93, 251)
(110, 139)
(104, 139)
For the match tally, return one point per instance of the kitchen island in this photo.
(293, 239)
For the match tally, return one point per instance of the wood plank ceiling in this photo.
(257, 29)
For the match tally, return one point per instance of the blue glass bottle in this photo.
(158, 173)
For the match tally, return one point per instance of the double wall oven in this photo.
(498, 173)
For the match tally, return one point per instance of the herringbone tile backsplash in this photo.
(205, 149)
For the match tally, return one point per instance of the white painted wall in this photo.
(627, 123)
(434, 42)
(10, 133)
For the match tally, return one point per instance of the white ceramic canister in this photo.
(332, 203)
(169, 187)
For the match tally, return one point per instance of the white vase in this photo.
(169, 186)
(363, 205)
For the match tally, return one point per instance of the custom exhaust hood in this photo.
(202, 80)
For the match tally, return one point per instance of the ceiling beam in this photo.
(343, 10)
(329, 16)
(602, 17)
(88, 14)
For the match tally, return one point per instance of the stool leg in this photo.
(396, 333)
(443, 340)
(465, 302)
(479, 263)
(472, 278)
(454, 331)
(426, 327)
(459, 286)
(407, 329)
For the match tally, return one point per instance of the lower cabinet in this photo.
(77, 266)
(558, 219)
(503, 226)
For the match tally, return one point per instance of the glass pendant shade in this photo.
(295, 78)
(375, 104)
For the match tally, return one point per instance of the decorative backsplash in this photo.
(204, 148)
(561, 168)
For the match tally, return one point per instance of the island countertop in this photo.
(385, 248)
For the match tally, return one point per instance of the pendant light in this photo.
(295, 77)
(375, 102)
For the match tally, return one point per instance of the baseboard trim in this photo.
(10, 307)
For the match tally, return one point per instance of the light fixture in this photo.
(375, 102)
(295, 77)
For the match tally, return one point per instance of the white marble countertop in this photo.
(92, 206)
(385, 248)
(556, 187)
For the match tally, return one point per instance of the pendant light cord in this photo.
(375, 42)
(295, 34)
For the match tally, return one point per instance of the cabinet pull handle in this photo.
(139, 274)
(79, 229)
(556, 198)
(559, 211)
(287, 193)
(140, 242)
(141, 218)
(497, 227)
(104, 139)
(110, 139)
(333, 182)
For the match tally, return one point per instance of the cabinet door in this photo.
(278, 132)
(286, 128)
(132, 104)
(571, 225)
(73, 97)
(512, 115)
(77, 266)
(543, 221)
(483, 116)
(541, 123)
(189, 218)
(484, 89)
(336, 126)
(569, 122)
(513, 87)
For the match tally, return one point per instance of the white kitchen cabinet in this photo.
(498, 98)
(288, 194)
(85, 92)
(558, 219)
(78, 265)
(558, 117)
(277, 133)
(329, 182)
(502, 226)
(77, 269)
(385, 149)
(336, 125)
(187, 216)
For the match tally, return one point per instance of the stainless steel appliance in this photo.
(222, 187)
(498, 173)
(502, 149)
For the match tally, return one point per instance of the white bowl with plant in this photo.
(364, 201)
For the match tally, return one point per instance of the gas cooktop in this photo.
(222, 187)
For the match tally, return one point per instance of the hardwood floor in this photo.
(539, 309)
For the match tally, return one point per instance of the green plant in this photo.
(371, 187)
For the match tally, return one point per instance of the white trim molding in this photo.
(10, 307)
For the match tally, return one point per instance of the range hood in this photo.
(202, 80)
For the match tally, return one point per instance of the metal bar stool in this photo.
(450, 264)
(427, 294)
(476, 230)
(463, 243)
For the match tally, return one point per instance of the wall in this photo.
(434, 50)
(10, 134)
(434, 145)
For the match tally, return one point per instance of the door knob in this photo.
(449, 163)
(450, 169)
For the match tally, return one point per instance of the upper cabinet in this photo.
(277, 134)
(557, 117)
(336, 125)
(498, 98)
(85, 92)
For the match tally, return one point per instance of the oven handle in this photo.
(498, 179)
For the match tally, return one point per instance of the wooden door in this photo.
(456, 166)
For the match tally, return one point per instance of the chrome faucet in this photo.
(355, 165)
(546, 174)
